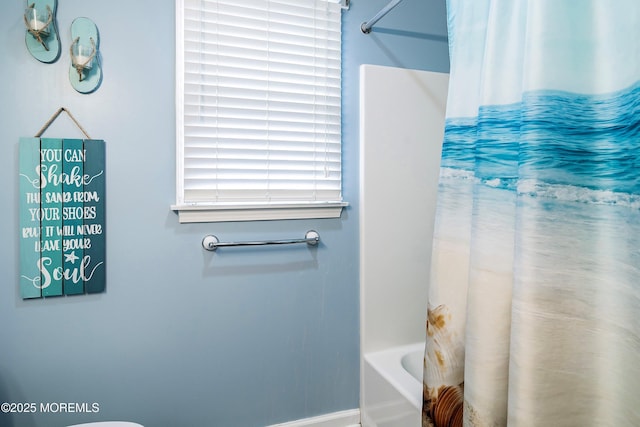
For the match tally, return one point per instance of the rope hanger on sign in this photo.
(55, 116)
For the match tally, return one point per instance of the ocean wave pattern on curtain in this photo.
(535, 274)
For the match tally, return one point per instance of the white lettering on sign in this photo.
(83, 272)
(50, 174)
(56, 154)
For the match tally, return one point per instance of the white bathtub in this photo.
(392, 387)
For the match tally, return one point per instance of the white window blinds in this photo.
(258, 108)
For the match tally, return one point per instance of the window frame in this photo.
(189, 212)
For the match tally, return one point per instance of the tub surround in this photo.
(401, 130)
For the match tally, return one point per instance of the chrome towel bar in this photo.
(211, 242)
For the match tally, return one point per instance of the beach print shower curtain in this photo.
(534, 296)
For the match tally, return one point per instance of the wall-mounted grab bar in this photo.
(211, 242)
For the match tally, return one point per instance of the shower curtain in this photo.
(533, 316)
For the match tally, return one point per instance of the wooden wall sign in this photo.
(62, 217)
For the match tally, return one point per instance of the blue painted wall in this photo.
(183, 337)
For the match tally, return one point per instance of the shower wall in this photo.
(401, 129)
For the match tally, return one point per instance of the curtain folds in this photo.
(534, 296)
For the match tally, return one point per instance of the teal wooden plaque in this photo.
(30, 228)
(62, 217)
(95, 217)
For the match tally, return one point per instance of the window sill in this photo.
(257, 212)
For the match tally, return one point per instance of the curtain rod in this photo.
(366, 26)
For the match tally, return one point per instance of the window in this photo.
(258, 109)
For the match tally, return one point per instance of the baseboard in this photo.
(350, 418)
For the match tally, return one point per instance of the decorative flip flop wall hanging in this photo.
(41, 36)
(85, 73)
